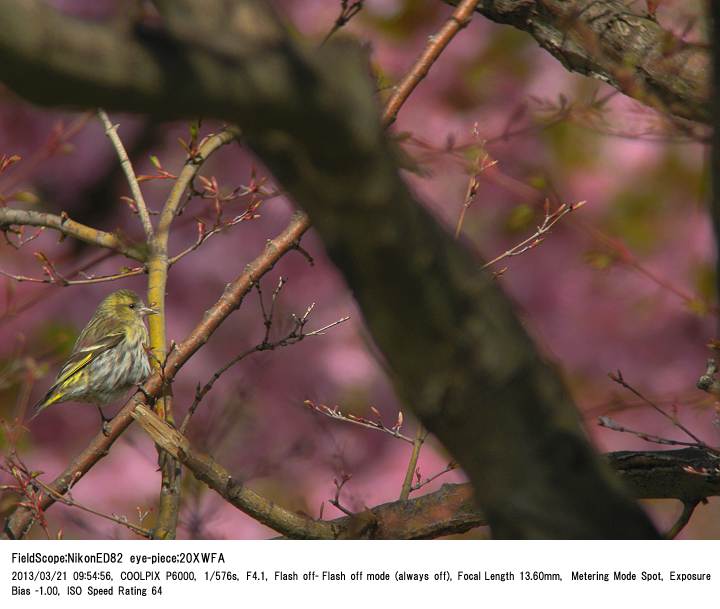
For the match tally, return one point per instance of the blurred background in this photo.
(623, 283)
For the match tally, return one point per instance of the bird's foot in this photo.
(105, 423)
(150, 399)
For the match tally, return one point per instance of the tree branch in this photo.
(111, 132)
(609, 41)
(682, 521)
(713, 9)
(64, 225)
(460, 18)
(206, 469)
(689, 475)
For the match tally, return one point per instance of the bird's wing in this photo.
(84, 355)
(79, 359)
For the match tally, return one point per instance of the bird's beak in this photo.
(148, 311)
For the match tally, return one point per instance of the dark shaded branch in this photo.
(448, 511)
(687, 511)
(714, 15)
(451, 510)
(610, 41)
(689, 475)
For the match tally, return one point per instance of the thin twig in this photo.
(295, 335)
(347, 12)
(420, 483)
(609, 423)
(339, 484)
(32, 498)
(204, 234)
(624, 256)
(268, 315)
(335, 413)
(482, 162)
(13, 310)
(59, 137)
(68, 500)
(111, 132)
(550, 220)
(460, 18)
(60, 280)
(618, 378)
(21, 239)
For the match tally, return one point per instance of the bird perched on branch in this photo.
(108, 358)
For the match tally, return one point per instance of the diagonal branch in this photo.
(111, 132)
(460, 18)
(206, 469)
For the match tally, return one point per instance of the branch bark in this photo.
(67, 227)
(610, 41)
(460, 18)
(126, 165)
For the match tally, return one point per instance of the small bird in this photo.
(108, 358)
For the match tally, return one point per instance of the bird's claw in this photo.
(150, 399)
(105, 423)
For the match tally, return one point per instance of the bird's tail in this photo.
(50, 398)
(37, 409)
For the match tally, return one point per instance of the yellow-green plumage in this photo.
(109, 356)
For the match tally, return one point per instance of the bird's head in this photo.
(126, 305)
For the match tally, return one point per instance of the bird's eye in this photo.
(132, 305)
